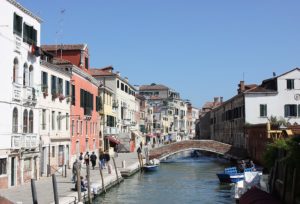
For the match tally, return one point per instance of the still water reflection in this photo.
(180, 179)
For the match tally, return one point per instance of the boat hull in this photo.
(150, 167)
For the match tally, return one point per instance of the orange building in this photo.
(84, 117)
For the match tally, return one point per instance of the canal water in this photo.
(180, 179)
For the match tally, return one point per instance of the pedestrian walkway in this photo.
(22, 194)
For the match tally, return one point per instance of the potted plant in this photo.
(61, 97)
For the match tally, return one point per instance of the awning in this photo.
(289, 132)
(113, 139)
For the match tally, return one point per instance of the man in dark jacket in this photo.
(93, 159)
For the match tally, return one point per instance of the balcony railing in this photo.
(110, 130)
(29, 95)
(17, 92)
(27, 141)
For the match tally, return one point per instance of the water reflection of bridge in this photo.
(228, 151)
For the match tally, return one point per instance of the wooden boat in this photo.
(150, 167)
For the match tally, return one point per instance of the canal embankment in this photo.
(126, 163)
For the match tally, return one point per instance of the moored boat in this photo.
(231, 175)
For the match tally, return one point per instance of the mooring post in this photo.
(116, 170)
(65, 170)
(55, 189)
(78, 182)
(88, 183)
(102, 179)
(33, 192)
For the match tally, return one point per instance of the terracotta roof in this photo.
(101, 72)
(153, 87)
(64, 47)
(141, 97)
(59, 61)
(260, 89)
(211, 105)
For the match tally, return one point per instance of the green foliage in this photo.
(277, 121)
(291, 149)
(272, 152)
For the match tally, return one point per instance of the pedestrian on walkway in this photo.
(75, 167)
(87, 158)
(93, 159)
(81, 157)
(102, 160)
(116, 149)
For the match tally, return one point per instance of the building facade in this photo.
(54, 111)
(20, 80)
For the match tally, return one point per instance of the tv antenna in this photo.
(59, 33)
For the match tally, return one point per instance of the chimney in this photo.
(221, 99)
(216, 99)
(118, 73)
(241, 87)
(126, 79)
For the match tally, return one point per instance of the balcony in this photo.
(110, 130)
(27, 141)
(29, 96)
(17, 92)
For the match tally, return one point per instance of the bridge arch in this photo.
(204, 145)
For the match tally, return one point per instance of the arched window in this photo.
(25, 121)
(15, 121)
(15, 70)
(25, 75)
(30, 121)
(30, 76)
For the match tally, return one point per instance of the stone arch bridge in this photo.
(228, 151)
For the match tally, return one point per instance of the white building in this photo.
(276, 97)
(20, 84)
(54, 117)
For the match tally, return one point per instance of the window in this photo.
(30, 76)
(86, 101)
(60, 86)
(67, 121)
(86, 127)
(53, 85)
(263, 110)
(15, 70)
(29, 34)
(44, 82)
(290, 110)
(118, 84)
(73, 95)
(18, 25)
(25, 75)
(122, 86)
(78, 126)
(15, 121)
(67, 88)
(3, 166)
(81, 127)
(30, 121)
(290, 83)
(86, 63)
(53, 120)
(25, 121)
(59, 121)
(126, 88)
(44, 119)
(53, 151)
(73, 127)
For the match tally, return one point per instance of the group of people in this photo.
(86, 159)
(245, 165)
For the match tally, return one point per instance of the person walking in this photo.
(93, 159)
(81, 157)
(75, 167)
(87, 159)
(101, 160)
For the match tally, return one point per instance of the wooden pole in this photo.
(116, 170)
(88, 183)
(54, 184)
(285, 171)
(102, 179)
(33, 192)
(78, 182)
(65, 171)
(274, 177)
(294, 184)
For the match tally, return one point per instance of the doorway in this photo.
(13, 167)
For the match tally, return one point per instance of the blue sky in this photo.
(200, 48)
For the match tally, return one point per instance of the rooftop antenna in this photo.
(243, 76)
(59, 33)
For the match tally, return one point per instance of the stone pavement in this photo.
(22, 194)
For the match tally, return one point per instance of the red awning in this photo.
(113, 139)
